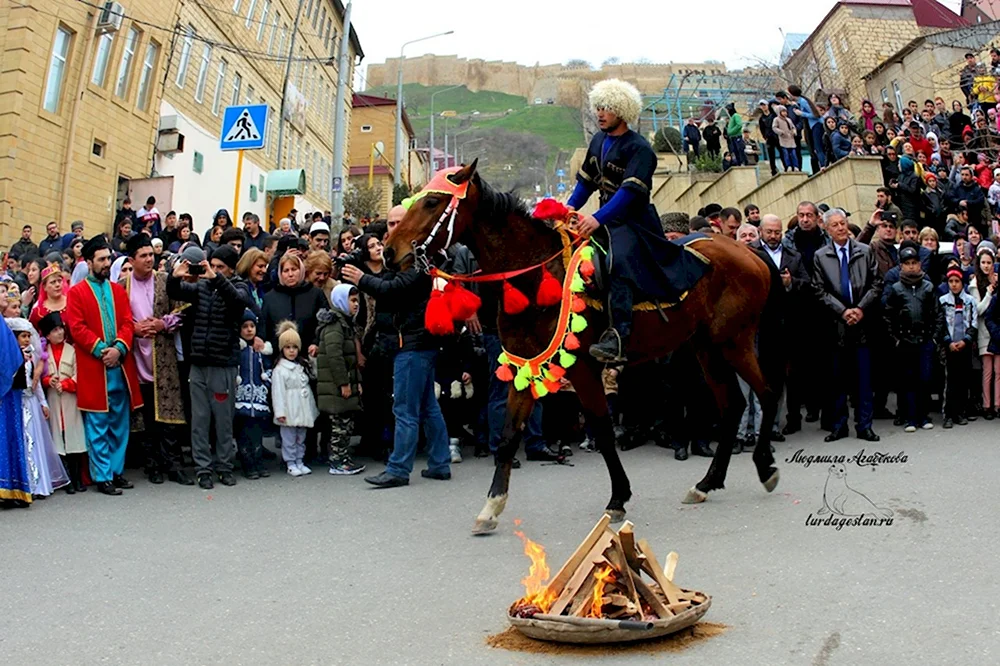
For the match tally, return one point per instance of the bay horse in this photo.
(720, 316)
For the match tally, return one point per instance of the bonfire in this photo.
(612, 588)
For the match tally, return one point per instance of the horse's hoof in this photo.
(772, 481)
(694, 496)
(616, 515)
(484, 526)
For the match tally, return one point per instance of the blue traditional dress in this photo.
(14, 481)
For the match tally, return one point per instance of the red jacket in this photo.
(921, 144)
(83, 318)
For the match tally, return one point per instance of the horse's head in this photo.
(431, 213)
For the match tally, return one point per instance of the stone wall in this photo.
(850, 184)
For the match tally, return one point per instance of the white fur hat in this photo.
(619, 97)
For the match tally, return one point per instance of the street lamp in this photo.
(399, 104)
(433, 95)
(461, 149)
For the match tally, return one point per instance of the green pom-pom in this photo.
(524, 371)
(520, 382)
(540, 389)
(587, 253)
(566, 359)
(577, 323)
(576, 284)
(502, 359)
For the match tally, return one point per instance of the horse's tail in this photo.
(772, 347)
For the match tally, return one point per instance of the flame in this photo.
(536, 591)
(602, 577)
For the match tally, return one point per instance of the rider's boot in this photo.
(612, 345)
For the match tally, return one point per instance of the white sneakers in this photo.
(928, 426)
(298, 469)
(303, 469)
(456, 450)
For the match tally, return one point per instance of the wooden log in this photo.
(583, 601)
(619, 560)
(569, 568)
(653, 568)
(651, 598)
(584, 568)
(626, 536)
(671, 565)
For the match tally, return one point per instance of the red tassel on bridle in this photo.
(549, 290)
(462, 302)
(514, 301)
(437, 317)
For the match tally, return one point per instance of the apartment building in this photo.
(79, 99)
(235, 52)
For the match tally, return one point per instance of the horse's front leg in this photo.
(519, 406)
(586, 380)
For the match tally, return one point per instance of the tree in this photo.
(363, 201)
(400, 192)
(613, 60)
(667, 140)
(577, 62)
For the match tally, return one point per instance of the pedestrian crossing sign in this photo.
(244, 127)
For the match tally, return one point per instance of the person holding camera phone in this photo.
(215, 354)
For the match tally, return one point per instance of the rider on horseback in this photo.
(620, 164)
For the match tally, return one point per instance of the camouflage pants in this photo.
(341, 428)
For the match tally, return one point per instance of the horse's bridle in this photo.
(421, 262)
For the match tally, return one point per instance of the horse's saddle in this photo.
(597, 287)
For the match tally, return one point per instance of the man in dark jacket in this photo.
(847, 280)
(415, 406)
(693, 137)
(217, 309)
(713, 136)
(52, 241)
(765, 123)
(24, 247)
(968, 194)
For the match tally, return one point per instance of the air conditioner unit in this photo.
(111, 17)
(170, 142)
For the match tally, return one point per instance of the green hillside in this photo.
(517, 143)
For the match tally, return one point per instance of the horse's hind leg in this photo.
(745, 363)
(589, 388)
(519, 406)
(722, 382)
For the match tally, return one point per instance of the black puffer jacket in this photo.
(405, 294)
(300, 304)
(912, 312)
(217, 311)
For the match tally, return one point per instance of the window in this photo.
(100, 74)
(253, 6)
(898, 95)
(236, 5)
(313, 165)
(97, 149)
(220, 81)
(263, 20)
(831, 57)
(885, 96)
(125, 66)
(57, 70)
(843, 45)
(146, 82)
(322, 20)
(309, 9)
(366, 128)
(326, 35)
(281, 39)
(206, 60)
(237, 85)
(198, 164)
(182, 66)
(298, 152)
(274, 31)
(333, 43)
(250, 92)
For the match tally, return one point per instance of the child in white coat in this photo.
(292, 400)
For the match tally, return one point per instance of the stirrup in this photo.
(609, 336)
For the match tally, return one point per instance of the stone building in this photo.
(97, 104)
(858, 35)
(929, 66)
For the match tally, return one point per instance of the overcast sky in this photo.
(553, 31)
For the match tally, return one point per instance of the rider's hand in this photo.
(587, 225)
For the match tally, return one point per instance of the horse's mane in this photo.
(494, 204)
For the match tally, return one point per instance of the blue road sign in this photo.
(561, 173)
(244, 127)
(561, 187)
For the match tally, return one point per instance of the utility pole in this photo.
(284, 84)
(337, 182)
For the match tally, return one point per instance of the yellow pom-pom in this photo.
(577, 323)
(539, 390)
(566, 359)
(587, 253)
(520, 382)
(576, 284)
(502, 359)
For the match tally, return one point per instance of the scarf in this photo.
(911, 280)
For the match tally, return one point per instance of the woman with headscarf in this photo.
(957, 122)
(868, 115)
(221, 219)
(53, 298)
(15, 484)
(881, 139)
(909, 190)
(121, 267)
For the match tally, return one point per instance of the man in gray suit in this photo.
(849, 285)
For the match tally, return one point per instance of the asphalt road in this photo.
(325, 570)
